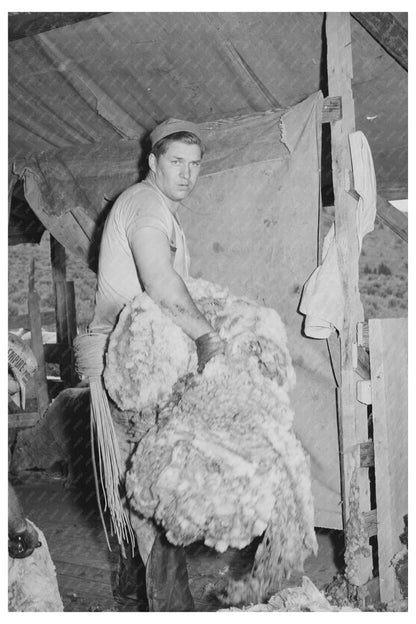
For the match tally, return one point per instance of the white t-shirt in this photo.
(141, 205)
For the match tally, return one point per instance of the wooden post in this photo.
(37, 344)
(58, 260)
(65, 312)
(66, 328)
(353, 421)
(388, 356)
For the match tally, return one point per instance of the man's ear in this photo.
(152, 163)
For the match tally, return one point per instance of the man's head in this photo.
(174, 129)
(176, 157)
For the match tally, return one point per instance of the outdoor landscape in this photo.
(383, 277)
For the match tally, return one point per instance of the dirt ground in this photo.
(86, 569)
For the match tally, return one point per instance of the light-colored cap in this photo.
(170, 126)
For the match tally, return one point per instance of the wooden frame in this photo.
(61, 352)
(361, 383)
(388, 345)
(353, 425)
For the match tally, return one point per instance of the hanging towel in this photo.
(322, 300)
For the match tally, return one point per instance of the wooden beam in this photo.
(393, 218)
(392, 193)
(388, 354)
(25, 24)
(64, 311)
(386, 29)
(390, 217)
(66, 329)
(36, 344)
(58, 260)
(353, 425)
(363, 364)
(370, 522)
(22, 321)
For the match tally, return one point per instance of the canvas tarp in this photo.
(254, 228)
(117, 75)
(252, 225)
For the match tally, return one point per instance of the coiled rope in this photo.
(89, 351)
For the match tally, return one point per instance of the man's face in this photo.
(177, 170)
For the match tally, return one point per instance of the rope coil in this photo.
(89, 351)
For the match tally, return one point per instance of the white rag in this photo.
(322, 300)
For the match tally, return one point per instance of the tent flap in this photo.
(79, 184)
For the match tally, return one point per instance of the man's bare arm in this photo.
(162, 283)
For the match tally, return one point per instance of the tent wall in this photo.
(255, 229)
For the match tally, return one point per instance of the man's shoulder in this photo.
(139, 195)
(140, 189)
(139, 206)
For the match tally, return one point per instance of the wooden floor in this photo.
(86, 569)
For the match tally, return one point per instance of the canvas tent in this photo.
(84, 96)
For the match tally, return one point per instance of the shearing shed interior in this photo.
(304, 120)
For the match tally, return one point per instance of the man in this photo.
(143, 248)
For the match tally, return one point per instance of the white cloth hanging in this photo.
(322, 300)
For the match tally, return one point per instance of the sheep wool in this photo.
(146, 355)
(32, 582)
(222, 463)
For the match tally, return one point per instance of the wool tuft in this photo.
(222, 464)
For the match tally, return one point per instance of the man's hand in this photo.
(207, 346)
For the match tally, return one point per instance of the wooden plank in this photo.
(71, 311)
(66, 323)
(62, 333)
(71, 317)
(353, 426)
(25, 24)
(393, 218)
(66, 329)
(12, 179)
(388, 32)
(36, 344)
(390, 216)
(22, 321)
(370, 522)
(99, 577)
(65, 228)
(58, 260)
(390, 193)
(388, 356)
(363, 363)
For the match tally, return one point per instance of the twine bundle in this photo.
(89, 350)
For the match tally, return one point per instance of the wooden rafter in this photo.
(393, 218)
(388, 32)
(25, 24)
